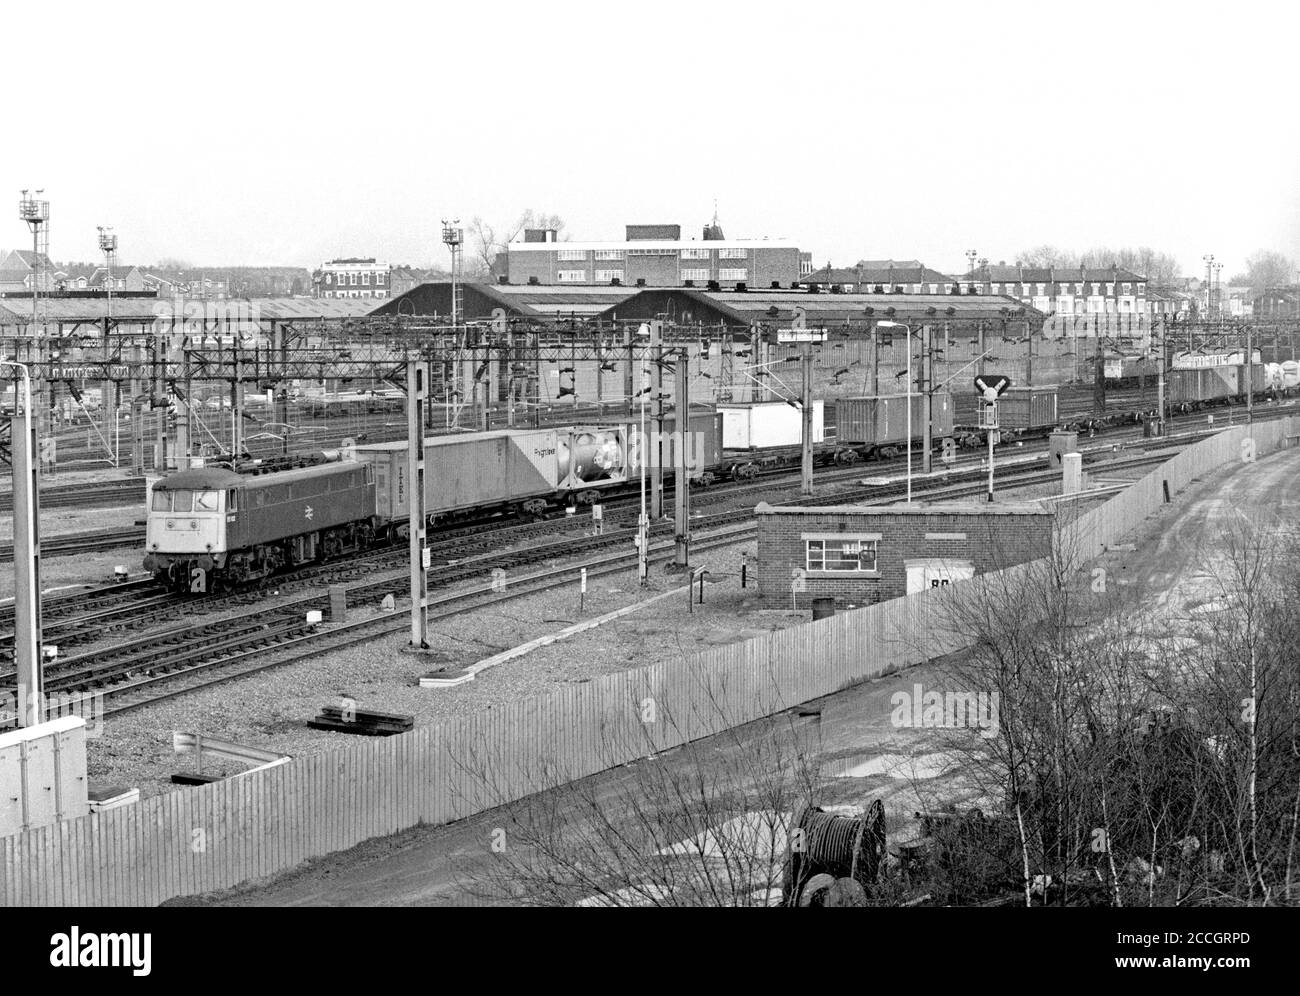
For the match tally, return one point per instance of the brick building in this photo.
(881, 276)
(351, 278)
(654, 256)
(859, 555)
(1109, 290)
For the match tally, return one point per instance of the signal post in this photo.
(990, 387)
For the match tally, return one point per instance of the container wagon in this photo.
(526, 471)
(704, 450)
(877, 427)
(521, 471)
(1204, 386)
(1022, 411)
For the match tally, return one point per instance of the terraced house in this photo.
(1080, 290)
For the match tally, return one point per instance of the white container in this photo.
(763, 424)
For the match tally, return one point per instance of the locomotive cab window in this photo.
(162, 501)
(232, 500)
(182, 501)
(207, 501)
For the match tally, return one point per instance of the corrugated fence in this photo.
(244, 828)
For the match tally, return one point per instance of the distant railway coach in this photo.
(212, 525)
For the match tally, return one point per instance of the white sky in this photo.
(249, 133)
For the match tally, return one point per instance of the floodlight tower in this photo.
(35, 210)
(453, 237)
(107, 394)
(1208, 259)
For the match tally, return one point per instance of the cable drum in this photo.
(843, 847)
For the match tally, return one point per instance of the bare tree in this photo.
(1265, 269)
(703, 825)
(1140, 759)
(1160, 268)
(492, 239)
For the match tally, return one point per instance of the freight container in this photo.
(703, 446)
(1290, 375)
(763, 424)
(1210, 384)
(881, 422)
(1027, 408)
(476, 470)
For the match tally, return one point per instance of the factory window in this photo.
(379, 278)
(844, 554)
(609, 253)
(571, 276)
(365, 279)
(1110, 290)
(695, 254)
(733, 254)
(571, 254)
(1128, 288)
(696, 274)
(352, 279)
(729, 273)
(605, 276)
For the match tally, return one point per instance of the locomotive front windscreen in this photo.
(186, 501)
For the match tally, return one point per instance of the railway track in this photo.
(96, 495)
(141, 671)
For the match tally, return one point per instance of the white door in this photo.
(936, 573)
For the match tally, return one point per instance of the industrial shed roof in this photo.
(740, 308)
(18, 310)
(527, 300)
